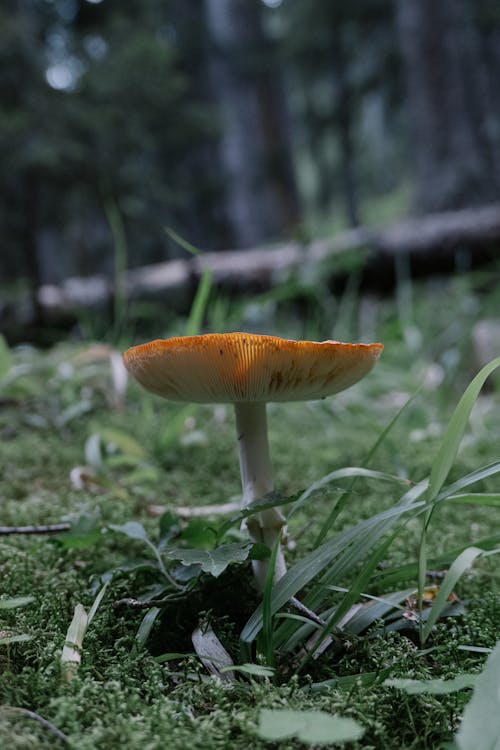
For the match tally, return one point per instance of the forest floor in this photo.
(75, 449)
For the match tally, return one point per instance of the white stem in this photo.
(257, 481)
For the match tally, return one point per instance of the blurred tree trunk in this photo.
(453, 155)
(345, 136)
(30, 242)
(261, 196)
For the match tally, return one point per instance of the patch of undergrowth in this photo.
(75, 449)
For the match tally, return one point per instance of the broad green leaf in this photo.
(199, 534)
(433, 687)
(214, 561)
(460, 565)
(310, 727)
(454, 432)
(480, 728)
(84, 532)
(132, 529)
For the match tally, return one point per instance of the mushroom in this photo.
(248, 371)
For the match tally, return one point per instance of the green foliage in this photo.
(480, 727)
(360, 582)
(310, 727)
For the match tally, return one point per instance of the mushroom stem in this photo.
(257, 481)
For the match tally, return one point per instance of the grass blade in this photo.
(480, 729)
(491, 499)
(460, 565)
(352, 595)
(267, 615)
(316, 561)
(455, 430)
(442, 464)
(199, 305)
(71, 653)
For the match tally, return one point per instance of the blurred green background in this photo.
(236, 122)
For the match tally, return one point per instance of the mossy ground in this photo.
(122, 697)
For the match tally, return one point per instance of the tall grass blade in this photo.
(199, 305)
(187, 246)
(316, 561)
(480, 729)
(327, 525)
(456, 427)
(366, 535)
(344, 473)
(352, 595)
(267, 615)
(490, 499)
(144, 629)
(462, 563)
(442, 464)
(120, 253)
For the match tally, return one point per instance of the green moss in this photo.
(124, 698)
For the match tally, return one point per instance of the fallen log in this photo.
(431, 243)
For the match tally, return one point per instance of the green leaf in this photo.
(345, 473)
(214, 561)
(181, 241)
(347, 682)
(348, 542)
(310, 727)
(199, 534)
(84, 532)
(5, 357)
(460, 565)
(254, 670)
(132, 529)
(491, 499)
(6, 640)
(146, 626)
(73, 412)
(126, 444)
(17, 601)
(455, 430)
(480, 728)
(434, 687)
(199, 305)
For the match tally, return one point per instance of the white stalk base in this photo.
(257, 481)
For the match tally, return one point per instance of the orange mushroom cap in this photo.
(233, 367)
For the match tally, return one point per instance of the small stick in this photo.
(53, 528)
(294, 602)
(146, 603)
(36, 717)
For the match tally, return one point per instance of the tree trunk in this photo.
(453, 166)
(260, 196)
